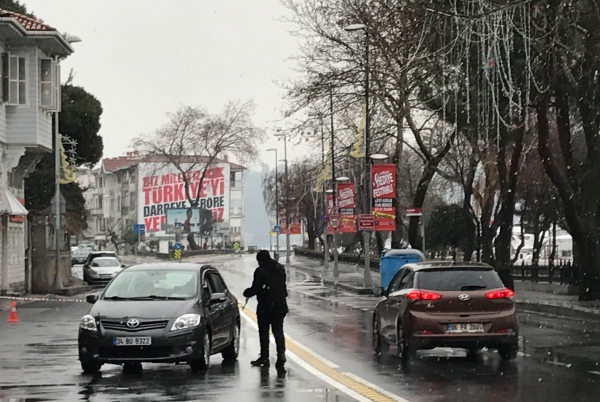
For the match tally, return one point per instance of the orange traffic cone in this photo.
(12, 317)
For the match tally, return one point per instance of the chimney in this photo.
(225, 158)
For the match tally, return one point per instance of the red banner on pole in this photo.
(346, 203)
(295, 222)
(383, 185)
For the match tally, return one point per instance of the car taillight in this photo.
(500, 294)
(417, 295)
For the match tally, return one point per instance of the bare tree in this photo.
(193, 140)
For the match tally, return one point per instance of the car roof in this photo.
(420, 266)
(108, 257)
(175, 266)
(103, 252)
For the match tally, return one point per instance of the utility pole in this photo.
(336, 272)
(58, 282)
(287, 203)
(325, 245)
(368, 280)
(276, 197)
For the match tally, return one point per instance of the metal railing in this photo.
(562, 273)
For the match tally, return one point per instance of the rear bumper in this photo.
(166, 347)
(491, 341)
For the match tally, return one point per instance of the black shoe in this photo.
(280, 362)
(261, 362)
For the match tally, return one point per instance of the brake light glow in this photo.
(500, 294)
(418, 295)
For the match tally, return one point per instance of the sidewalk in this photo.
(548, 301)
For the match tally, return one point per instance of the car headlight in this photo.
(93, 273)
(88, 323)
(186, 321)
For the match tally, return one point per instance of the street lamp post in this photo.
(58, 282)
(287, 193)
(276, 197)
(368, 280)
(325, 245)
(336, 272)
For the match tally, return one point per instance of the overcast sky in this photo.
(143, 58)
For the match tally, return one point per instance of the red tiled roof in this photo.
(122, 162)
(29, 23)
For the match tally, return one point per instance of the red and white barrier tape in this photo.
(41, 299)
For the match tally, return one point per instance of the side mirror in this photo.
(217, 298)
(378, 291)
(123, 266)
(91, 299)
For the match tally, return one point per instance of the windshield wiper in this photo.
(155, 297)
(116, 298)
(473, 287)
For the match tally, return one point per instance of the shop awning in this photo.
(10, 205)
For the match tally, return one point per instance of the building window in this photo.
(49, 85)
(14, 79)
(99, 202)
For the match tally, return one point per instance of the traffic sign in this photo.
(334, 221)
(177, 254)
(277, 229)
(177, 246)
(366, 222)
(414, 212)
(324, 217)
(139, 228)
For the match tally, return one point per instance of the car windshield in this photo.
(105, 262)
(153, 284)
(458, 279)
(81, 253)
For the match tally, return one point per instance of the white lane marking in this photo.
(375, 387)
(594, 372)
(313, 370)
(561, 364)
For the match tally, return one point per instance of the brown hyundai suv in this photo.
(440, 304)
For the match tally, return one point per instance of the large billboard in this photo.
(162, 187)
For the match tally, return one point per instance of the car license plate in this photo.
(133, 341)
(469, 328)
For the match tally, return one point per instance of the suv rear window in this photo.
(458, 279)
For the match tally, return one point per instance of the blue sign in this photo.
(139, 228)
(177, 246)
(324, 217)
(276, 229)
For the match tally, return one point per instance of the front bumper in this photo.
(167, 347)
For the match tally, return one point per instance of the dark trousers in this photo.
(271, 316)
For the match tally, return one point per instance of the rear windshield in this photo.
(458, 279)
(106, 262)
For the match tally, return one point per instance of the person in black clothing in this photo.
(269, 287)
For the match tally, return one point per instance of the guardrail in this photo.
(564, 274)
(342, 257)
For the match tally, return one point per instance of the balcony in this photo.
(124, 211)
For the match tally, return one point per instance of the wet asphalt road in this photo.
(560, 359)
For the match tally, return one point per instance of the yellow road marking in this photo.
(352, 384)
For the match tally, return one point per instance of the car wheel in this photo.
(403, 345)
(204, 362)
(508, 352)
(232, 351)
(378, 344)
(90, 366)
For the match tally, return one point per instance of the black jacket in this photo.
(269, 283)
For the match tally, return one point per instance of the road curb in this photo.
(560, 311)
